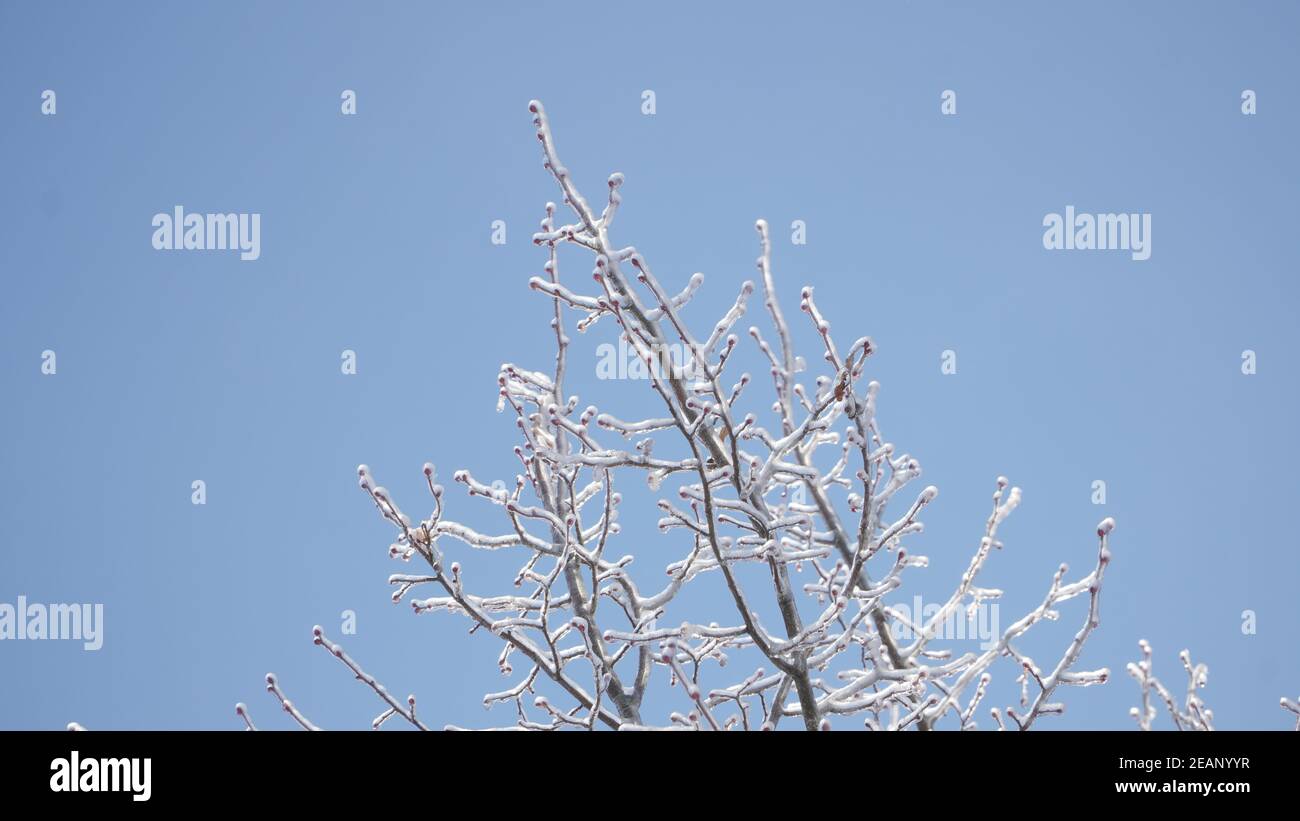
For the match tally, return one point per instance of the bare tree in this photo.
(813, 492)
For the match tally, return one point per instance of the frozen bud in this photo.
(437, 490)
(270, 679)
(362, 470)
(317, 633)
(825, 725)
(428, 469)
(1105, 526)
(928, 494)
(240, 709)
(615, 179)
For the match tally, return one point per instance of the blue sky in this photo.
(924, 231)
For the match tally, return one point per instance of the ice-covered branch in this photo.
(803, 481)
(273, 687)
(1292, 707)
(1192, 714)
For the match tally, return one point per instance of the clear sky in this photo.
(923, 230)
